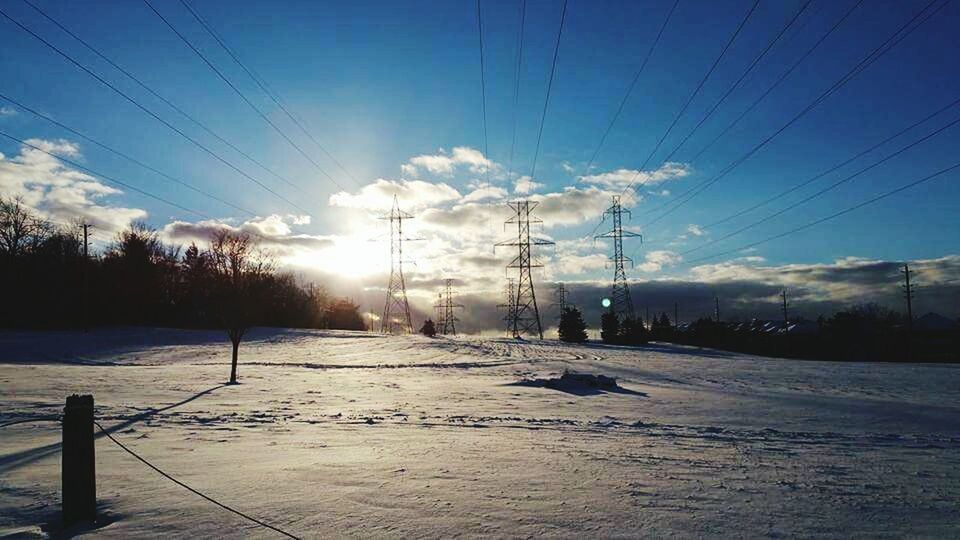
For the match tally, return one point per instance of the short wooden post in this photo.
(78, 475)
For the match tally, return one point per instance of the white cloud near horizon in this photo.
(60, 193)
(622, 178)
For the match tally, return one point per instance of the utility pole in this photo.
(445, 307)
(525, 317)
(676, 316)
(396, 310)
(783, 295)
(86, 275)
(649, 324)
(908, 294)
(716, 309)
(622, 305)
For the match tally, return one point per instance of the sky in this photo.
(392, 93)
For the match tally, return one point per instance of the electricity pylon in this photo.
(560, 295)
(525, 317)
(511, 305)
(396, 311)
(445, 307)
(622, 304)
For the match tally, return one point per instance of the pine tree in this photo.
(428, 329)
(633, 332)
(572, 328)
(609, 328)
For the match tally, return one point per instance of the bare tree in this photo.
(16, 226)
(241, 271)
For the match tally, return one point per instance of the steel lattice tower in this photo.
(525, 317)
(445, 306)
(622, 304)
(510, 306)
(560, 295)
(396, 311)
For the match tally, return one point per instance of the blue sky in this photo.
(382, 82)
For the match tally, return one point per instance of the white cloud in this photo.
(483, 192)
(654, 261)
(446, 163)
(7, 111)
(525, 185)
(696, 230)
(412, 195)
(567, 167)
(60, 193)
(621, 178)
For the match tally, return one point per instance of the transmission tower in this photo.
(622, 304)
(509, 292)
(445, 307)
(560, 295)
(525, 317)
(396, 311)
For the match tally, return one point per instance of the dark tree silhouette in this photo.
(609, 328)
(240, 281)
(343, 314)
(572, 328)
(632, 332)
(428, 329)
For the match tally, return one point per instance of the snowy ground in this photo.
(350, 434)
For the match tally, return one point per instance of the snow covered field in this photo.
(352, 434)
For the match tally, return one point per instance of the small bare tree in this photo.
(240, 271)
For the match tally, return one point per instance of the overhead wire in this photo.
(872, 57)
(630, 87)
(124, 155)
(825, 189)
(516, 85)
(150, 112)
(546, 101)
(160, 97)
(829, 217)
(103, 176)
(242, 96)
(483, 92)
(831, 169)
(267, 91)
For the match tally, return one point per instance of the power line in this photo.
(190, 489)
(149, 112)
(483, 91)
(630, 88)
(516, 84)
(164, 100)
(824, 190)
(779, 79)
(743, 76)
(263, 86)
(242, 95)
(875, 54)
(103, 176)
(831, 169)
(546, 101)
(123, 155)
(829, 217)
(696, 91)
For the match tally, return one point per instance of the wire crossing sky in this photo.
(700, 113)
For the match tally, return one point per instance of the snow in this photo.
(356, 434)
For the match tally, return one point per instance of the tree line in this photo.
(137, 279)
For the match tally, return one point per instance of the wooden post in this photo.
(78, 475)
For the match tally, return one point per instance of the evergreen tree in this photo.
(428, 329)
(572, 328)
(609, 328)
(633, 332)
